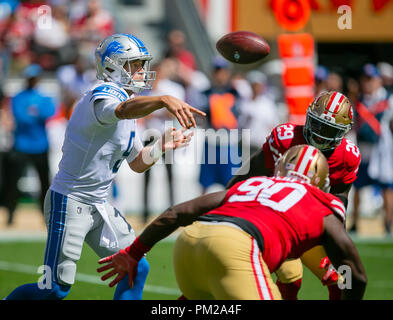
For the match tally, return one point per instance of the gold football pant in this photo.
(292, 269)
(220, 261)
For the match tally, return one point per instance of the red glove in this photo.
(331, 275)
(121, 263)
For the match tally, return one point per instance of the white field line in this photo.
(29, 269)
(17, 236)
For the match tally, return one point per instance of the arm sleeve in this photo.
(352, 164)
(104, 110)
(332, 202)
(105, 99)
(271, 150)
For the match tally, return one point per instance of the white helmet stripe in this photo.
(305, 160)
(334, 102)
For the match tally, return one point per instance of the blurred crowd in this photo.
(232, 99)
(42, 39)
(47, 32)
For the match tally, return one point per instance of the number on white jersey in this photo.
(126, 153)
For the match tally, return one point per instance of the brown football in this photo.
(242, 47)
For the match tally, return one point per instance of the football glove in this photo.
(120, 264)
(331, 275)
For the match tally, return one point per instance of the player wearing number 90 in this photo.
(101, 133)
(234, 239)
(329, 118)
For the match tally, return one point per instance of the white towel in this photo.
(108, 237)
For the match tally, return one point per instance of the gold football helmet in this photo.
(305, 163)
(329, 118)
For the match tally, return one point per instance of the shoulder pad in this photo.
(108, 91)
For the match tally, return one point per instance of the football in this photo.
(242, 47)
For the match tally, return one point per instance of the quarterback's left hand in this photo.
(121, 263)
(174, 139)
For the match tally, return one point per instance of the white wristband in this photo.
(156, 151)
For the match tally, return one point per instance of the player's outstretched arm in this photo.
(172, 139)
(180, 215)
(141, 106)
(253, 166)
(126, 261)
(342, 251)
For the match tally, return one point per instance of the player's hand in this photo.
(174, 139)
(182, 111)
(120, 264)
(331, 275)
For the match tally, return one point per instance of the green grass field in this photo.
(19, 262)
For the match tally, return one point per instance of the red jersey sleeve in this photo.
(352, 159)
(330, 201)
(279, 141)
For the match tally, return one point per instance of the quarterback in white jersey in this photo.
(95, 145)
(101, 133)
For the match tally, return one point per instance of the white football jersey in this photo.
(96, 143)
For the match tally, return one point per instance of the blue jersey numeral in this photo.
(125, 154)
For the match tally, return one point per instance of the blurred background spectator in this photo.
(177, 49)
(96, 24)
(221, 104)
(75, 79)
(51, 43)
(321, 75)
(386, 71)
(334, 82)
(6, 126)
(30, 110)
(258, 113)
(375, 143)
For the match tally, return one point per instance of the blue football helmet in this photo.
(112, 55)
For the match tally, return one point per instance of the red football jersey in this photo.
(287, 213)
(343, 161)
